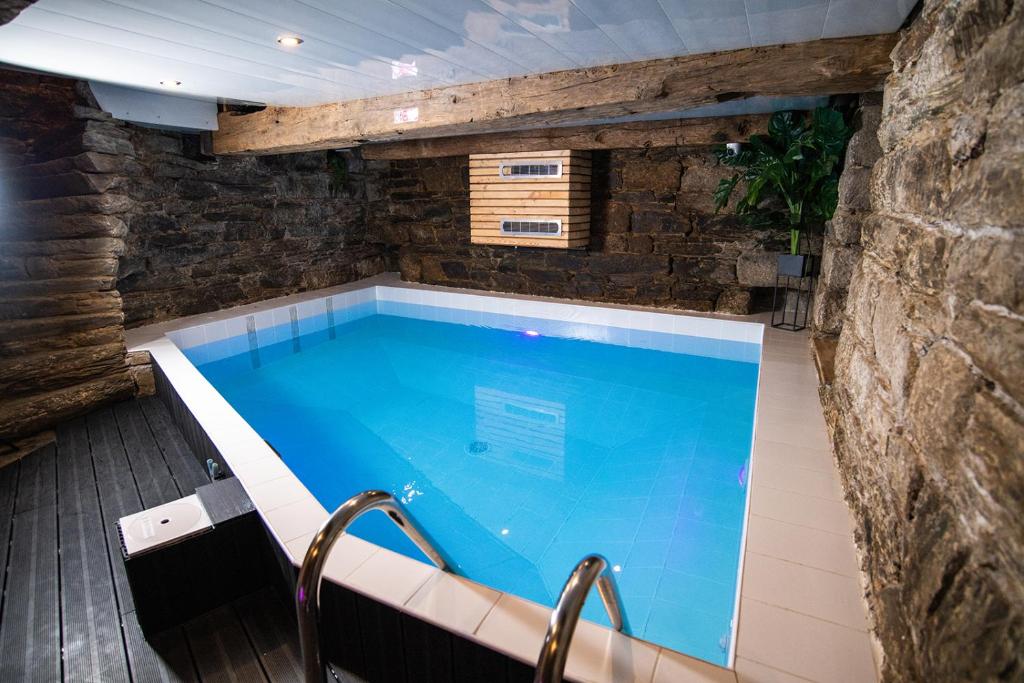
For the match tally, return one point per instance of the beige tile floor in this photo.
(802, 612)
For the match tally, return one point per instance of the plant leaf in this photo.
(724, 191)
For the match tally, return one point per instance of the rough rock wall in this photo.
(91, 205)
(208, 233)
(654, 236)
(926, 406)
(841, 250)
(61, 336)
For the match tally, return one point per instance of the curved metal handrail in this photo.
(555, 651)
(307, 590)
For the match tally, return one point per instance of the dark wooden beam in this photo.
(636, 134)
(822, 67)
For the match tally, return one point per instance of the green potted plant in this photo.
(790, 177)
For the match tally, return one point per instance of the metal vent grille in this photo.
(531, 227)
(530, 169)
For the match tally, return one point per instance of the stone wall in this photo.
(108, 224)
(655, 238)
(926, 404)
(61, 334)
(841, 249)
(205, 234)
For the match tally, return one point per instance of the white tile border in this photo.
(293, 523)
(234, 331)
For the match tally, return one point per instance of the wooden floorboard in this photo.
(76, 482)
(30, 633)
(92, 641)
(222, 650)
(152, 476)
(66, 611)
(270, 624)
(8, 494)
(37, 482)
(117, 492)
(164, 658)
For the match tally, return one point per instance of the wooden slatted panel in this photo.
(493, 197)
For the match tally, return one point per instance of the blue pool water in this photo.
(521, 454)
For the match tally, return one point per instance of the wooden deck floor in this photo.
(66, 612)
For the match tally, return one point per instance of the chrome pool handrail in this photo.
(555, 651)
(307, 589)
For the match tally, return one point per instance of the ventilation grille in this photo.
(530, 169)
(532, 227)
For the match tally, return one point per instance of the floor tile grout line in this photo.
(801, 564)
(864, 631)
(775, 668)
(801, 493)
(802, 526)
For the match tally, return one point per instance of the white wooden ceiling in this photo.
(228, 50)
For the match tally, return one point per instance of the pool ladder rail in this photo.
(307, 590)
(555, 650)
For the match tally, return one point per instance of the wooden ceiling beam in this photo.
(632, 135)
(822, 67)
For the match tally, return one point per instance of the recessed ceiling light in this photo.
(289, 41)
(170, 83)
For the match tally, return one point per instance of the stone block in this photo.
(855, 189)
(837, 265)
(734, 301)
(617, 217)
(657, 177)
(845, 226)
(990, 268)
(917, 250)
(606, 264)
(914, 178)
(755, 268)
(942, 394)
(827, 313)
(994, 338)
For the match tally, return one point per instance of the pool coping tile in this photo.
(452, 602)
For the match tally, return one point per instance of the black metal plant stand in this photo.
(792, 286)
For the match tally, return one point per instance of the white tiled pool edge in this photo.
(501, 621)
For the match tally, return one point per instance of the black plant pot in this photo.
(794, 265)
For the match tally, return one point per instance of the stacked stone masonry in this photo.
(655, 237)
(61, 324)
(111, 225)
(927, 405)
(205, 234)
